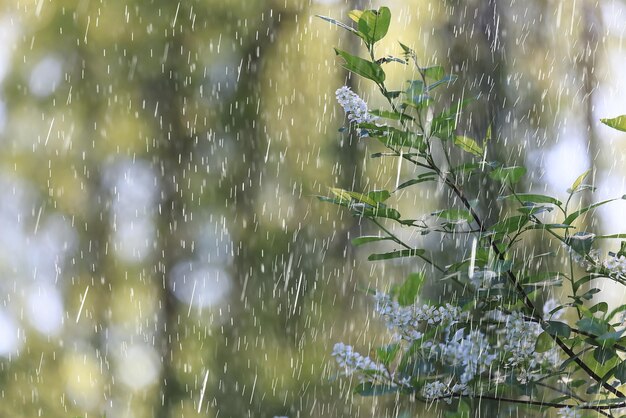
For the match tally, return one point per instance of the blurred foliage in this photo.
(157, 152)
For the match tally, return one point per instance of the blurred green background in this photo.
(162, 253)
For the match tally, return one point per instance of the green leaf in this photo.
(386, 354)
(534, 198)
(583, 280)
(334, 201)
(379, 196)
(593, 326)
(454, 215)
(599, 307)
(388, 135)
(618, 123)
(394, 94)
(615, 311)
(572, 217)
(338, 23)
(609, 339)
(355, 15)
(532, 209)
(549, 226)
(510, 224)
(374, 24)
(416, 181)
(396, 254)
(408, 291)
(347, 195)
(620, 372)
(589, 294)
(557, 329)
(436, 72)
(508, 175)
(581, 242)
(579, 180)
(381, 211)
(448, 79)
(468, 145)
(367, 239)
(603, 354)
(390, 115)
(610, 236)
(544, 343)
(364, 68)
(407, 50)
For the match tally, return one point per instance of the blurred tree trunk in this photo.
(586, 61)
(172, 152)
(477, 52)
(233, 394)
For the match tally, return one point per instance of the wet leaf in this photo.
(618, 123)
(544, 343)
(468, 145)
(367, 239)
(534, 198)
(579, 180)
(362, 67)
(374, 24)
(620, 371)
(508, 175)
(593, 326)
(436, 72)
(409, 290)
(338, 23)
(379, 196)
(557, 329)
(581, 242)
(396, 254)
(572, 217)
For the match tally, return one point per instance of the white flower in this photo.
(471, 353)
(616, 264)
(518, 340)
(354, 363)
(407, 320)
(569, 413)
(436, 390)
(355, 107)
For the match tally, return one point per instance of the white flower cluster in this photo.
(438, 389)
(355, 107)
(569, 413)
(616, 264)
(518, 340)
(471, 353)
(406, 320)
(354, 363)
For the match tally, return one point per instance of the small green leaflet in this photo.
(367, 239)
(508, 175)
(534, 198)
(435, 72)
(396, 254)
(579, 181)
(618, 123)
(557, 329)
(468, 145)
(364, 68)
